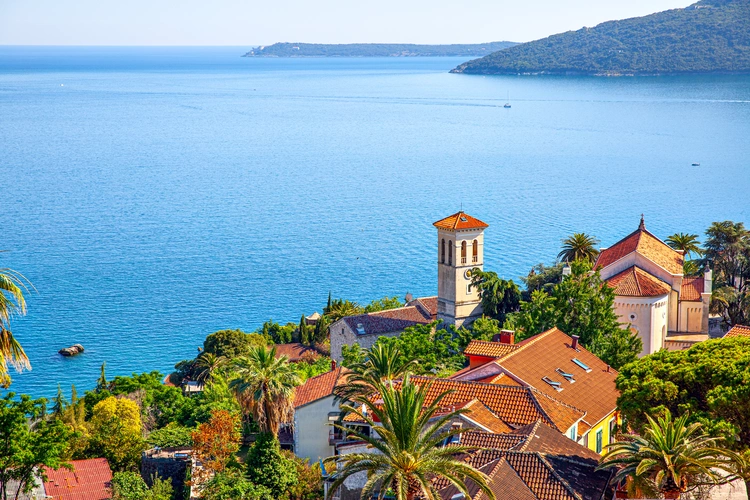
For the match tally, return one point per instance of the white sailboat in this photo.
(507, 103)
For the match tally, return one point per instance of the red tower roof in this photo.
(460, 220)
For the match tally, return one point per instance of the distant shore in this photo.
(376, 50)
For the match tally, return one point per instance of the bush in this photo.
(130, 486)
(232, 485)
(267, 466)
(173, 435)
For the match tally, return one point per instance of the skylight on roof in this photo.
(360, 329)
(555, 385)
(464, 219)
(568, 376)
(581, 364)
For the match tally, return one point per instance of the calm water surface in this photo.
(156, 195)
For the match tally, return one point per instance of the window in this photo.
(573, 434)
(555, 385)
(612, 429)
(450, 253)
(463, 252)
(442, 251)
(568, 376)
(475, 251)
(581, 364)
(599, 441)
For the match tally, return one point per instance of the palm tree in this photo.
(732, 305)
(342, 308)
(264, 386)
(382, 363)
(407, 456)
(12, 302)
(579, 246)
(688, 243)
(207, 365)
(672, 457)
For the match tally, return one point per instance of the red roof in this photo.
(89, 480)
(460, 220)
(635, 282)
(391, 320)
(738, 331)
(294, 351)
(319, 387)
(647, 245)
(691, 289)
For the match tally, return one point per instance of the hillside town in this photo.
(620, 372)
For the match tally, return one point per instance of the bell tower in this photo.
(460, 242)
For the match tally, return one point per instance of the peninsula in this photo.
(376, 50)
(711, 36)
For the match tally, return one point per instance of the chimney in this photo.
(574, 345)
(608, 368)
(708, 278)
(333, 364)
(507, 337)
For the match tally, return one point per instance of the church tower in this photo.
(460, 249)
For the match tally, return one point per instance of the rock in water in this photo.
(72, 350)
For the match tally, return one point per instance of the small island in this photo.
(376, 50)
(711, 36)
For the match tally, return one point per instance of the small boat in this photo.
(507, 104)
(696, 164)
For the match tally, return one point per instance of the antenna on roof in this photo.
(642, 225)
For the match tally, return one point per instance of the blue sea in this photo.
(155, 195)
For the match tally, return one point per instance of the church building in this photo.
(460, 248)
(652, 294)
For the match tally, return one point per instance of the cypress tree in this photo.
(304, 334)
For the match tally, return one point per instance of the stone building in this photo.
(652, 293)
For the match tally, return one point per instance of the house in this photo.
(557, 365)
(315, 408)
(460, 249)
(534, 462)
(295, 352)
(652, 294)
(89, 479)
(365, 329)
(738, 331)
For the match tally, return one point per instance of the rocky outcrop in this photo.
(72, 350)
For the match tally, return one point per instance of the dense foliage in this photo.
(267, 466)
(375, 50)
(711, 36)
(727, 252)
(499, 297)
(130, 486)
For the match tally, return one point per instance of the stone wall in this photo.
(164, 465)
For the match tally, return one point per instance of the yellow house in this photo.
(557, 365)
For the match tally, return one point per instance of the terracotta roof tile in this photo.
(506, 441)
(390, 320)
(294, 351)
(428, 305)
(647, 245)
(460, 220)
(541, 356)
(738, 331)
(483, 416)
(488, 349)
(319, 387)
(691, 289)
(635, 282)
(501, 379)
(89, 480)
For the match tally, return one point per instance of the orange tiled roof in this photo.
(635, 282)
(501, 379)
(294, 351)
(503, 441)
(460, 220)
(647, 245)
(488, 349)
(738, 331)
(481, 415)
(427, 304)
(541, 356)
(390, 320)
(89, 480)
(319, 387)
(691, 289)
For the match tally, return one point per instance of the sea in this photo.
(155, 195)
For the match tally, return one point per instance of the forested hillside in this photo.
(375, 50)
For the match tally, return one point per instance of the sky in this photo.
(254, 22)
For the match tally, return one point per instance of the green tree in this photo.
(732, 305)
(304, 334)
(321, 330)
(264, 386)
(233, 485)
(342, 308)
(673, 456)
(277, 333)
(384, 304)
(485, 328)
(383, 362)
(687, 243)
(581, 304)
(499, 297)
(12, 303)
(208, 365)
(543, 278)
(58, 408)
(707, 381)
(579, 246)
(101, 383)
(116, 433)
(727, 249)
(28, 441)
(352, 354)
(406, 455)
(130, 486)
(172, 435)
(268, 467)
(231, 343)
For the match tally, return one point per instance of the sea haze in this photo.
(154, 195)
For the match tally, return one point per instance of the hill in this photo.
(711, 36)
(375, 50)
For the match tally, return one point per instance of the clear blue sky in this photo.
(253, 22)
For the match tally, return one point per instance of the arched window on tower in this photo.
(450, 253)
(475, 251)
(442, 251)
(463, 252)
